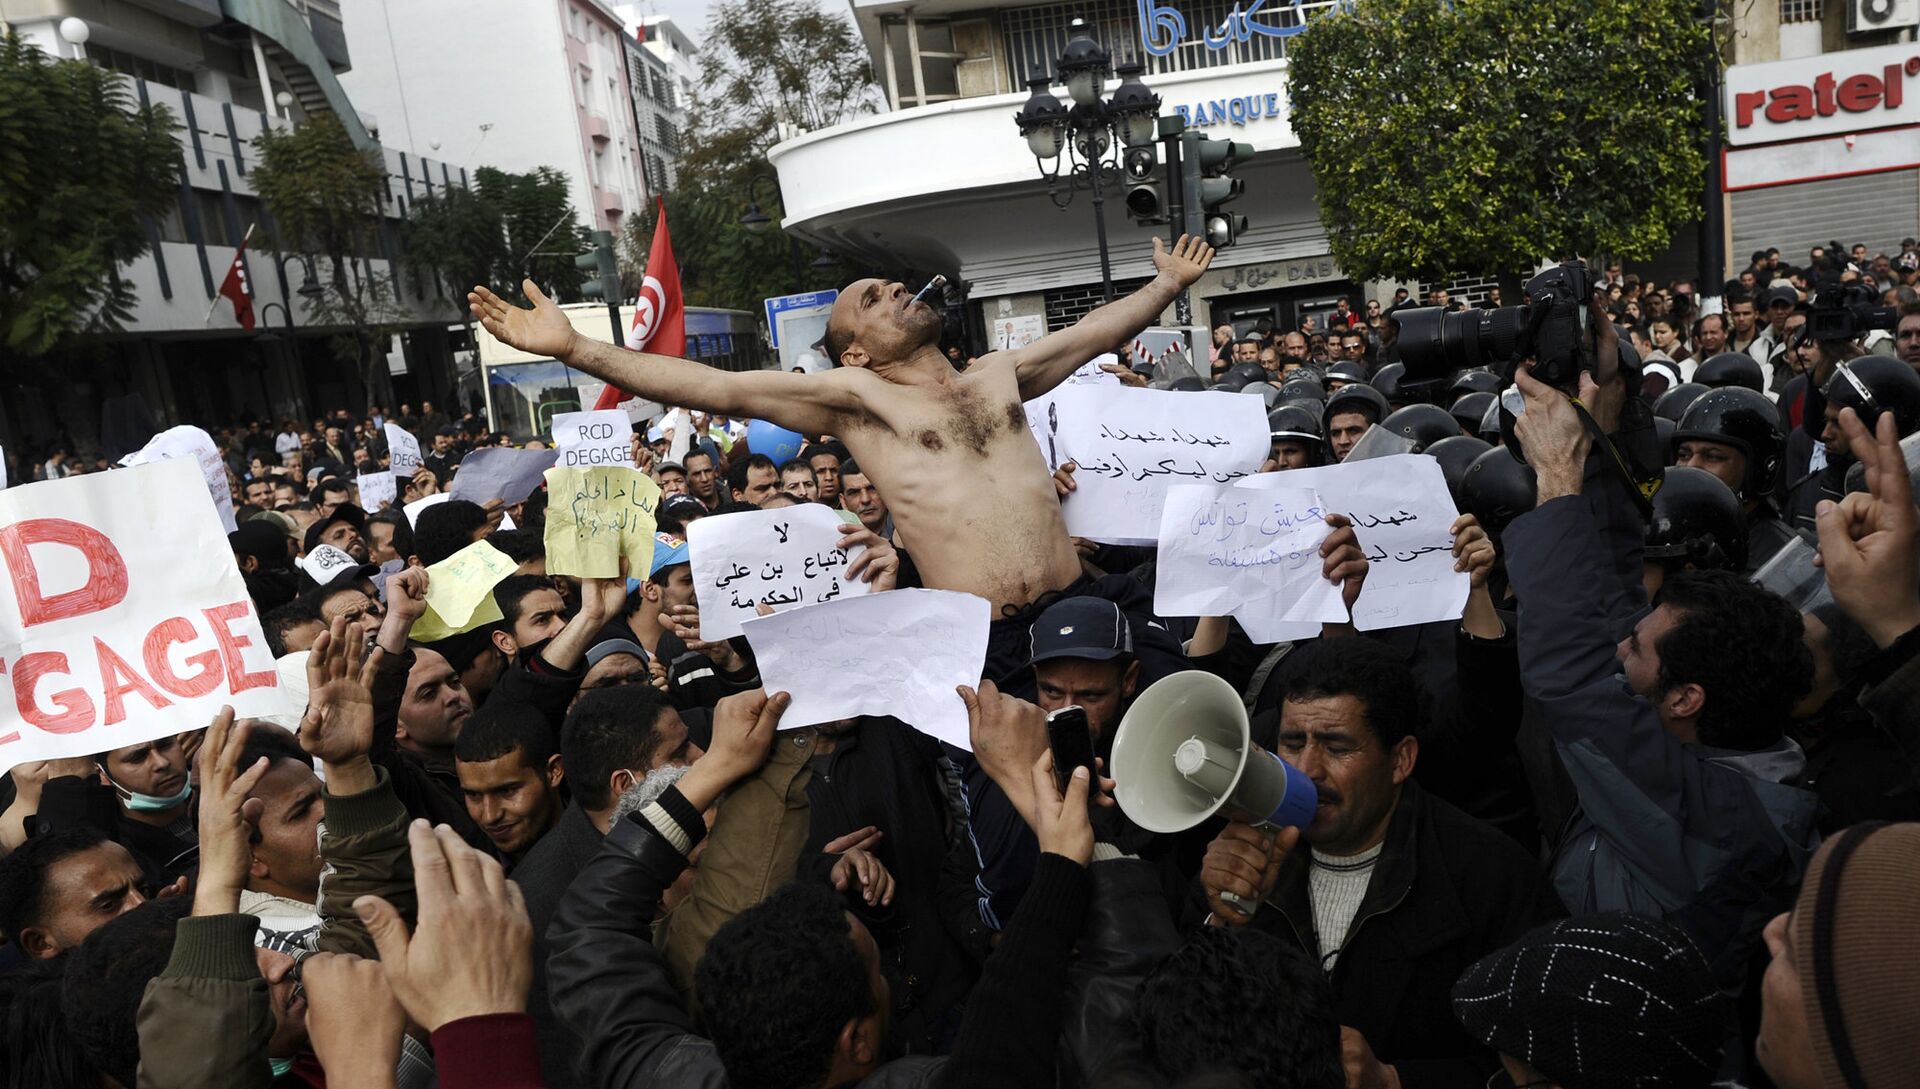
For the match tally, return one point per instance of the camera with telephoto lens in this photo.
(1846, 312)
(1553, 329)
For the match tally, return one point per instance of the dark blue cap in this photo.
(1082, 627)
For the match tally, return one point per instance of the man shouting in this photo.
(951, 453)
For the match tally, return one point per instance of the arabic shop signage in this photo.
(1163, 27)
(1304, 271)
(1237, 110)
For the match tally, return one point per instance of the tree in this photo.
(82, 169)
(326, 197)
(506, 227)
(773, 70)
(1487, 135)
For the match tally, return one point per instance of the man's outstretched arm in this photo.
(1048, 361)
(809, 404)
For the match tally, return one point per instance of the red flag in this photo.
(659, 314)
(235, 287)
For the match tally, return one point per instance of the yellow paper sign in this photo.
(460, 592)
(598, 516)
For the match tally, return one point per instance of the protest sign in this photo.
(403, 451)
(460, 592)
(1403, 517)
(122, 615)
(377, 491)
(779, 558)
(900, 653)
(1253, 554)
(598, 516)
(323, 563)
(1131, 444)
(588, 439)
(501, 473)
(197, 446)
(414, 508)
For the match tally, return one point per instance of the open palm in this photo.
(338, 725)
(543, 330)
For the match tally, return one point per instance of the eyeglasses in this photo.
(1500, 1079)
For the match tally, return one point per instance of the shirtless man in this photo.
(950, 451)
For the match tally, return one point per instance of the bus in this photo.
(524, 392)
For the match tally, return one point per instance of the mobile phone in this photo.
(1071, 742)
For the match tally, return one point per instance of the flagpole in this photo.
(215, 301)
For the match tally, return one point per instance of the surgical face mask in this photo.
(150, 803)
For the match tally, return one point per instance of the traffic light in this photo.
(1206, 170)
(1145, 202)
(605, 284)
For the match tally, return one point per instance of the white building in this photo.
(943, 182)
(515, 84)
(223, 67)
(661, 67)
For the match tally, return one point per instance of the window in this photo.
(140, 67)
(584, 95)
(574, 26)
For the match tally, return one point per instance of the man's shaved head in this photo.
(875, 322)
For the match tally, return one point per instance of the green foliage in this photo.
(484, 235)
(80, 168)
(327, 197)
(721, 262)
(1485, 135)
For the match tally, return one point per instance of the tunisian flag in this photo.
(235, 288)
(659, 314)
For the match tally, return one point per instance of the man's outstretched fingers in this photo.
(386, 927)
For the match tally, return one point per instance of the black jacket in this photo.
(611, 986)
(543, 876)
(164, 854)
(1446, 891)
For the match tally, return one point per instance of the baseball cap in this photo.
(668, 551)
(1081, 627)
(683, 507)
(345, 512)
(1780, 294)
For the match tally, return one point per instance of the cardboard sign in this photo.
(500, 473)
(780, 558)
(597, 517)
(377, 490)
(122, 615)
(588, 439)
(196, 446)
(1130, 445)
(460, 592)
(403, 451)
(900, 653)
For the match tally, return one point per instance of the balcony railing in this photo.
(1184, 36)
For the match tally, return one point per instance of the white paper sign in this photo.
(123, 617)
(1130, 445)
(187, 441)
(326, 562)
(414, 508)
(1403, 516)
(501, 473)
(587, 439)
(1253, 554)
(901, 653)
(782, 558)
(376, 490)
(403, 451)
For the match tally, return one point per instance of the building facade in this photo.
(515, 84)
(228, 70)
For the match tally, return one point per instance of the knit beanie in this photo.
(1856, 944)
(1613, 1001)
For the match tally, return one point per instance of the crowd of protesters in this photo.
(1636, 819)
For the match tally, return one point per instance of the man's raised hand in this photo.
(337, 729)
(225, 834)
(1870, 541)
(1185, 262)
(543, 330)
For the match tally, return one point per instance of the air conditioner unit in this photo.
(1874, 16)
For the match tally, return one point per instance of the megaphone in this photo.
(1183, 753)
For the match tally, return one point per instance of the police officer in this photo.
(1348, 414)
(1697, 525)
(1734, 433)
(1298, 442)
(1870, 385)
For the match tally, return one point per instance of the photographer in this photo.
(1672, 736)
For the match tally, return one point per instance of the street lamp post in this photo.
(757, 221)
(1091, 132)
